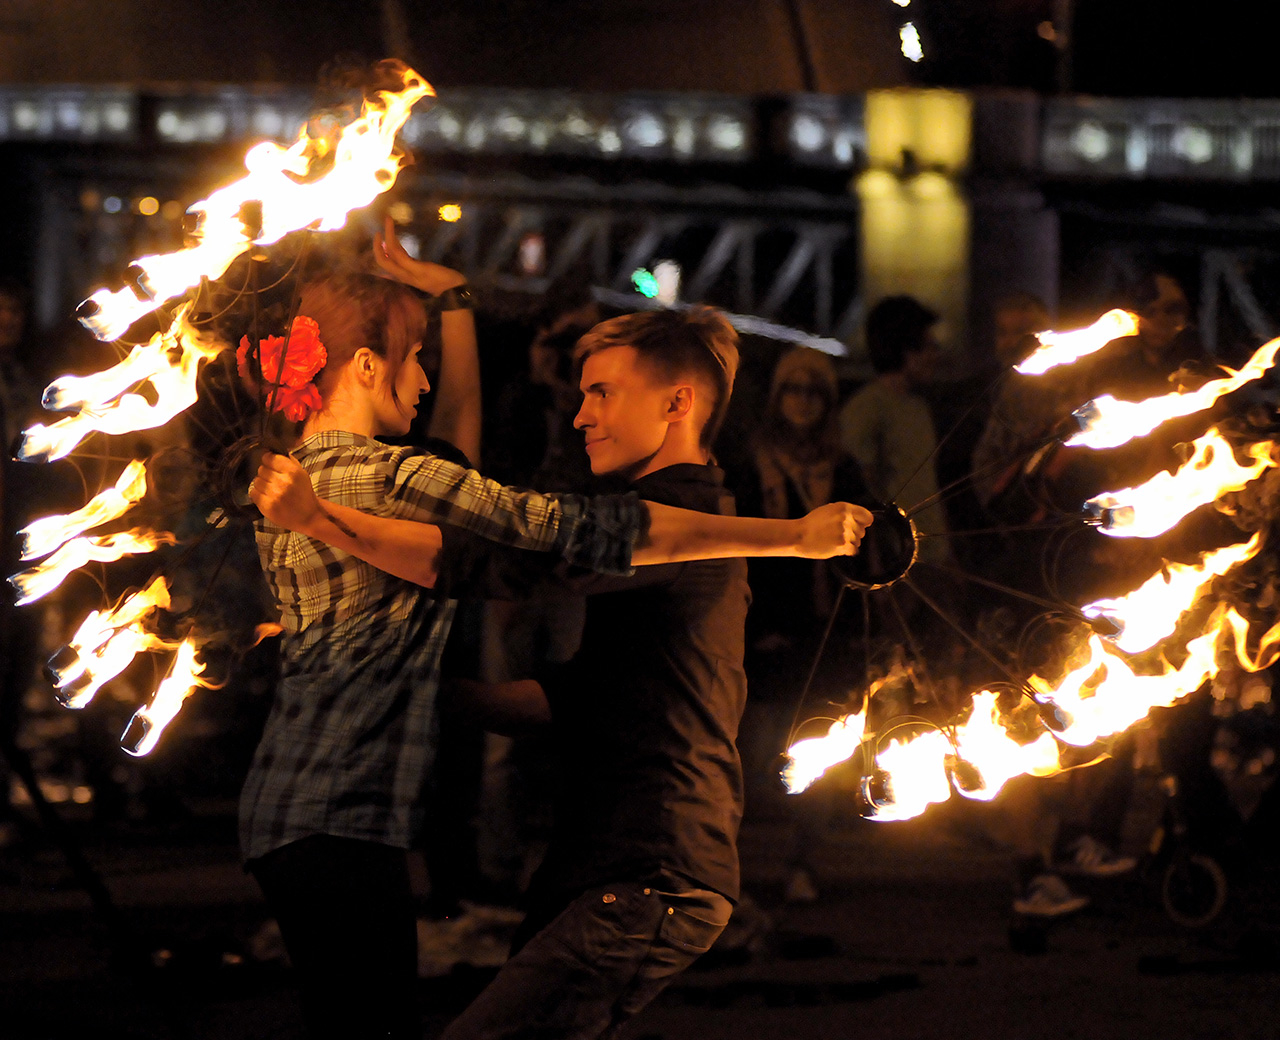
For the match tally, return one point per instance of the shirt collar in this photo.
(331, 439)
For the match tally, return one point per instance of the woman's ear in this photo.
(366, 366)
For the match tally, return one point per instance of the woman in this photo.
(332, 797)
(797, 465)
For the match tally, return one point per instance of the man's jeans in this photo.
(607, 955)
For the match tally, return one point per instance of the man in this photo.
(887, 426)
(642, 869)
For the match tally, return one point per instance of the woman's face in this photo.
(802, 402)
(396, 399)
(1163, 318)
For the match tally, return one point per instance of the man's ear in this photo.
(680, 403)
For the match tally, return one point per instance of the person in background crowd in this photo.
(887, 425)
(19, 628)
(798, 463)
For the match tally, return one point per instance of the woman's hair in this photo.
(697, 342)
(823, 441)
(362, 310)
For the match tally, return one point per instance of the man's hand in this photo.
(282, 490)
(392, 257)
(835, 529)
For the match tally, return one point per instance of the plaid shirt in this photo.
(349, 740)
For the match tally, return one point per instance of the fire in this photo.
(1156, 506)
(984, 743)
(108, 402)
(148, 723)
(314, 183)
(105, 643)
(1151, 612)
(328, 172)
(1108, 423)
(809, 759)
(1063, 348)
(43, 536)
(1106, 696)
(42, 579)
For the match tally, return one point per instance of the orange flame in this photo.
(1152, 508)
(282, 184)
(1100, 698)
(1108, 423)
(42, 579)
(809, 759)
(149, 722)
(106, 402)
(43, 536)
(1151, 612)
(105, 643)
(1063, 348)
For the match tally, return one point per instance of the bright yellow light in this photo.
(148, 206)
(450, 212)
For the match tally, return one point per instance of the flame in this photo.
(1151, 612)
(148, 723)
(43, 536)
(106, 402)
(42, 579)
(105, 643)
(1156, 506)
(1063, 348)
(809, 759)
(279, 194)
(984, 743)
(1108, 423)
(1100, 698)
(267, 630)
(917, 770)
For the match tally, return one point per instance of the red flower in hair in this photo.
(297, 402)
(304, 356)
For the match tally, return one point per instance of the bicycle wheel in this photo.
(1193, 889)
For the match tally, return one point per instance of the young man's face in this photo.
(624, 413)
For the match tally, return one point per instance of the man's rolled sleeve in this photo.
(599, 534)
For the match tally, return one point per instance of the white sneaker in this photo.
(1089, 856)
(1048, 896)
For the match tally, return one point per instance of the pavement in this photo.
(911, 936)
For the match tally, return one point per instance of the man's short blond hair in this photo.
(697, 343)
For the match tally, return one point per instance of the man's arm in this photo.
(411, 550)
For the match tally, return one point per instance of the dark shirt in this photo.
(645, 719)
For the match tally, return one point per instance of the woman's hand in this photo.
(282, 490)
(835, 529)
(392, 257)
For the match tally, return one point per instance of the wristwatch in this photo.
(457, 298)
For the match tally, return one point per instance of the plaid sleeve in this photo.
(596, 533)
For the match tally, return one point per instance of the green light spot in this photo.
(644, 281)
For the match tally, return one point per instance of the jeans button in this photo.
(609, 897)
(647, 891)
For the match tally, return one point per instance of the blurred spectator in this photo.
(19, 627)
(887, 426)
(1026, 408)
(798, 465)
